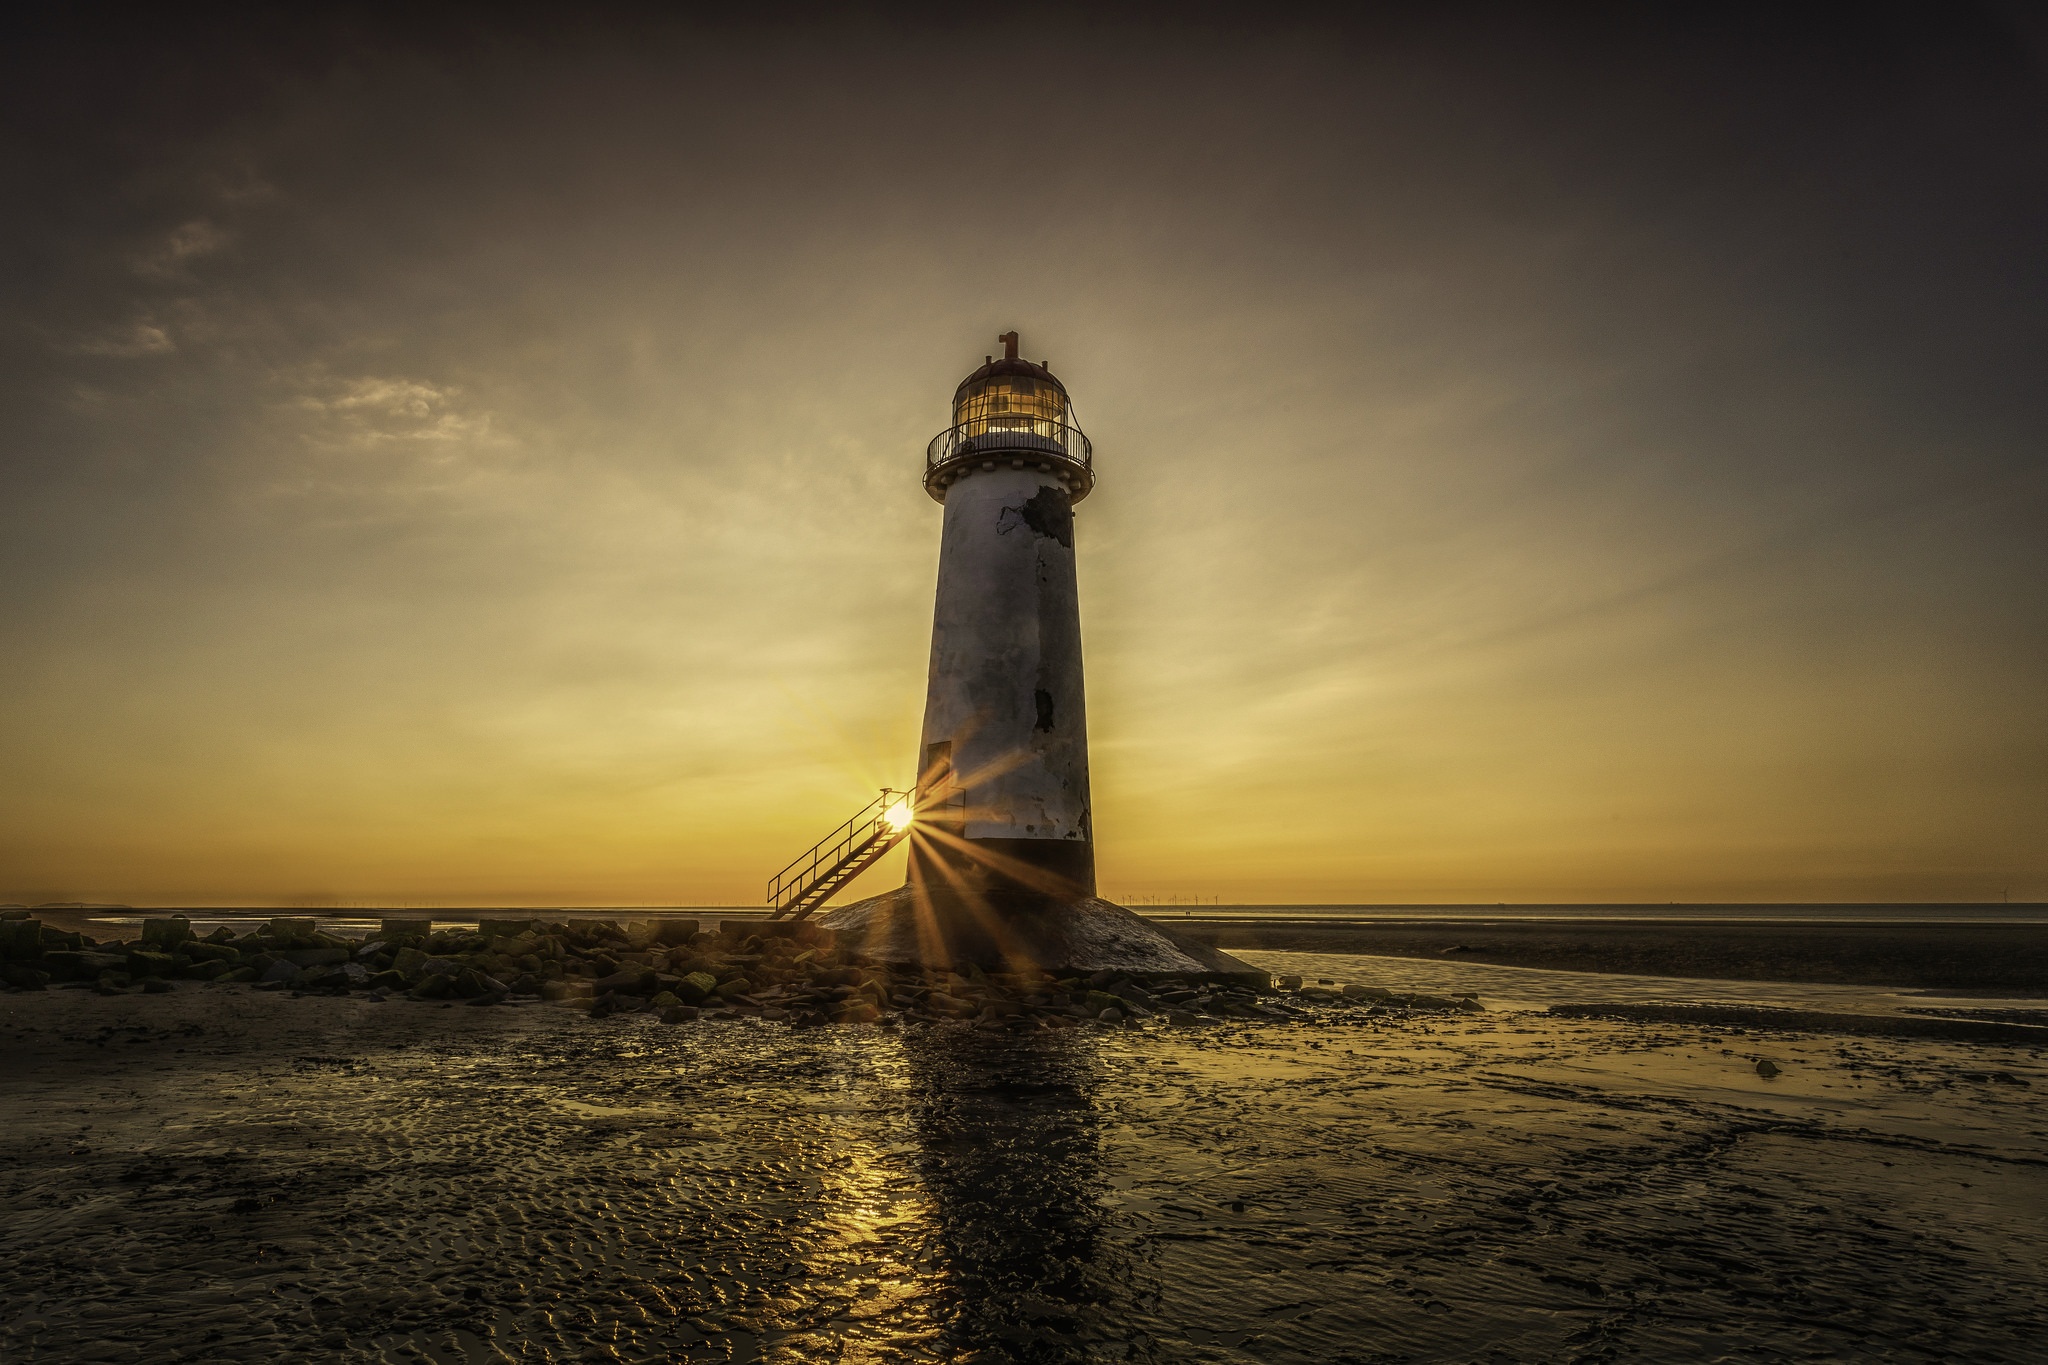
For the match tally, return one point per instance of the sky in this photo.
(1591, 454)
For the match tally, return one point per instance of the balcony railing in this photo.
(1032, 440)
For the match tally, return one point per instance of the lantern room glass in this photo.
(1010, 402)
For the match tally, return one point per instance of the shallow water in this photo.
(217, 1175)
(1837, 913)
(1521, 988)
(123, 921)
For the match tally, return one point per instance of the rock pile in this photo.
(792, 972)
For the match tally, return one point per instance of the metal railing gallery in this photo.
(1009, 435)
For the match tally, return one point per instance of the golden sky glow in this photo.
(488, 473)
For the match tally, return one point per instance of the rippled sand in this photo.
(217, 1174)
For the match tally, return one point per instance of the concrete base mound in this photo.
(1075, 938)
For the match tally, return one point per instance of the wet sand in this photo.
(220, 1174)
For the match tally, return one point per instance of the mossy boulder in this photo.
(166, 934)
(21, 939)
(142, 964)
(696, 987)
(504, 928)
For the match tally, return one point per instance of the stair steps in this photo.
(839, 857)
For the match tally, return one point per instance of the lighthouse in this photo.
(1004, 823)
(1000, 821)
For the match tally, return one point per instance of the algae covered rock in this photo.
(165, 934)
(433, 986)
(21, 939)
(750, 969)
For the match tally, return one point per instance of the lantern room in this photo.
(1010, 413)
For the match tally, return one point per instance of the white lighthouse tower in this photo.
(1000, 824)
(1004, 823)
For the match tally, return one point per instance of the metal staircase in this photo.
(840, 856)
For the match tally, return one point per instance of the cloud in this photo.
(128, 342)
(186, 242)
(372, 409)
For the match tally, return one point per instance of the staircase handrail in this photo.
(832, 849)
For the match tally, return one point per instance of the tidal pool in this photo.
(218, 1174)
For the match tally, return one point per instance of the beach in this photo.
(215, 1173)
(868, 685)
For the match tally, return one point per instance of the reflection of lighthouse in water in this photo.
(1003, 765)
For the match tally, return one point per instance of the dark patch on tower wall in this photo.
(1050, 513)
(1044, 700)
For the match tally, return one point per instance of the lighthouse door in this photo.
(942, 802)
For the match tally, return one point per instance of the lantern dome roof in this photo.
(1008, 365)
